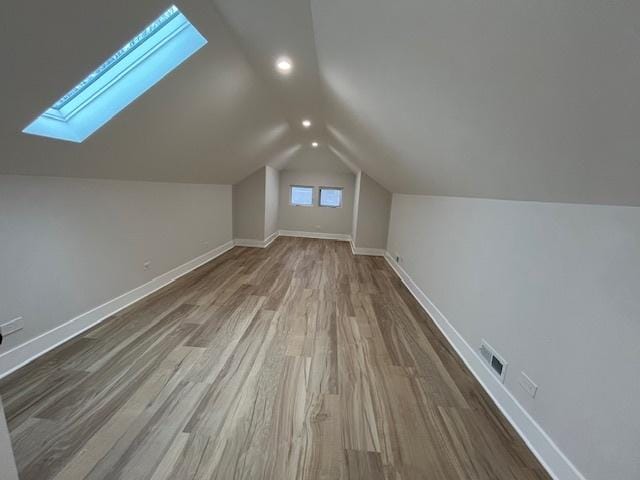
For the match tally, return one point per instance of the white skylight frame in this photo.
(141, 63)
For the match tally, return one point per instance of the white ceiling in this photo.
(530, 100)
(212, 120)
(318, 160)
(509, 99)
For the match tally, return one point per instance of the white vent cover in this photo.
(493, 360)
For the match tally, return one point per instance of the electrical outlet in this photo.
(527, 384)
(11, 327)
(147, 264)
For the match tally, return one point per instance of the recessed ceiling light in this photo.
(306, 123)
(314, 144)
(284, 65)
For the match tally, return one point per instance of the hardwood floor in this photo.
(296, 361)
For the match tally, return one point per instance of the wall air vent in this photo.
(493, 360)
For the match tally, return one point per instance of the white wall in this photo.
(555, 288)
(315, 218)
(271, 200)
(249, 207)
(69, 245)
(371, 218)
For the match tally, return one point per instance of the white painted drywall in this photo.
(249, 207)
(555, 288)
(271, 201)
(69, 245)
(371, 219)
(316, 218)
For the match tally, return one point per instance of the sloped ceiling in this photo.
(269, 29)
(530, 100)
(519, 100)
(319, 160)
(212, 120)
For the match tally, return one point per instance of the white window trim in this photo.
(291, 187)
(330, 188)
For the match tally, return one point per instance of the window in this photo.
(137, 66)
(330, 197)
(301, 195)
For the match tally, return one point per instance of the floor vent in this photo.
(494, 361)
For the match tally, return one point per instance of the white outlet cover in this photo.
(528, 385)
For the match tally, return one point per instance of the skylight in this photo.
(137, 66)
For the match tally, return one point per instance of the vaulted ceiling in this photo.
(316, 160)
(533, 100)
(214, 119)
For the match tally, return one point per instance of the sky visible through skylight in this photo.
(142, 62)
(116, 57)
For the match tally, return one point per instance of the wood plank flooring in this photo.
(299, 361)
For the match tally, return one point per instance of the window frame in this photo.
(341, 189)
(291, 187)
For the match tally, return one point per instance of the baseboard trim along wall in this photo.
(269, 240)
(374, 252)
(323, 236)
(249, 242)
(27, 352)
(550, 456)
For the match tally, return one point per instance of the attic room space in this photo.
(320, 239)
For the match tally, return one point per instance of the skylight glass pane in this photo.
(302, 196)
(330, 197)
(137, 66)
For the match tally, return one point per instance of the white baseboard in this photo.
(269, 240)
(251, 242)
(34, 348)
(323, 236)
(375, 252)
(543, 447)
(248, 242)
